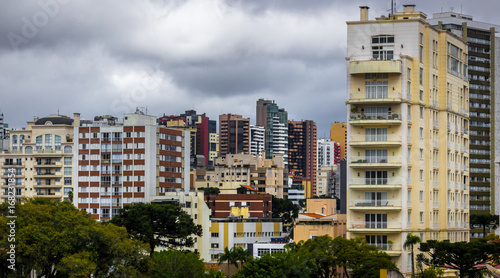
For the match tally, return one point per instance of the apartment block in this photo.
(234, 134)
(338, 133)
(241, 232)
(232, 172)
(126, 163)
(326, 181)
(41, 157)
(328, 153)
(484, 170)
(274, 120)
(408, 139)
(202, 130)
(248, 205)
(302, 151)
(257, 142)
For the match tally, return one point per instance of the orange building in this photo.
(338, 133)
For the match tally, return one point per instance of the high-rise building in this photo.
(4, 142)
(257, 135)
(274, 120)
(203, 130)
(302, 151)
(234, 134)
(127, 163)
(484, 169)
(338, 133)
(408, 148)
(41, 157)
(328, 153)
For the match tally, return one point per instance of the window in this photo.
(376, 177)
(421, 196)
(421, 133)
(214, 245)
(421, 112)
(421, 175)
(375, 134)
(421, 217)
(67, 181)
(421, 154)
(68, 149)
(377, 89)
(376, 156)
(39, 143)
(421, 95)
(215, 234)
(68, 160)
(421, 75)
(67, 170)
(376, 221)
(383, 47)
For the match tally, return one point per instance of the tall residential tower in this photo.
(408, 141)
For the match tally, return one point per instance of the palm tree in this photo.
(411, 240)
(233, 255)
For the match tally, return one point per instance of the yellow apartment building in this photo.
(407, 131)
(42, 158)
(338, 133)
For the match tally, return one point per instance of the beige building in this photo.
(41, 156)
(234, 170)
(408, 141)
(325, 181)
(320, 219)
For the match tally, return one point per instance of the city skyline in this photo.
(71, 57)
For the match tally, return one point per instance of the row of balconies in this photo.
(395, 226)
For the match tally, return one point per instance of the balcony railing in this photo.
(375, 203)
(376, 159)
(375, 225)
(376, 138)
(375, 181)
(375, 116)
(387, 246)
(374, 95)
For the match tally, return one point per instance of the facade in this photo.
(338, 133)
(202, 128)
(41, 157)
(257, 135)
(127, 163)
(241, 232)
(234, 134)
(274, 120)
(328, 153)
(240, 205)
(484, 172)
(4, 143)
(214, 148)
(326, 181)
(302, 151)
(408, 151)
(232, 172)
(320, 218)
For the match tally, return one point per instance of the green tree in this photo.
(431, 272)
(489, 221)
(364, 260)
(461, 256)
(285, 209)
(320, 255)
(410, 242)
(159, 225)
(58, 240)
(177, 264)
(234, 255)
(277, 265)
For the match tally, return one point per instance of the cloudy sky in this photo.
(214, 56)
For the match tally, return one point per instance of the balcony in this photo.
(372, 97)
(358, 119)
(13, 165)
(47, 165)
(378, 140)
(375, 162)
(390, 249)
(376, 183)
(375, 227)
(374, 66)
(375, 205)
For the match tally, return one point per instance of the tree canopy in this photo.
(486, 221)
(177, 264)
(58, 240)
(159, 225)
(321, 257)
(464, 257)
(285, 209)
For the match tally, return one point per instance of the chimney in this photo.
(364, 13)
(409, 8)
(76, 119)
